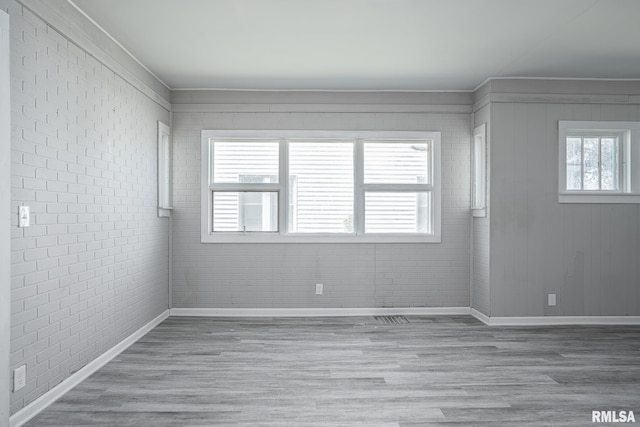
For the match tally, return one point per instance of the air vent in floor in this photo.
(391, 320)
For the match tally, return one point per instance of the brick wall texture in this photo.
(92, 267)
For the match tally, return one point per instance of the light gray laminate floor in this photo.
(358, 372)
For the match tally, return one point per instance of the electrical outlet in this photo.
(551, 300)
(23, 216)
(19, 377)
(319, 288)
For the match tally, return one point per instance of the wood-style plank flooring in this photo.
(446, 370)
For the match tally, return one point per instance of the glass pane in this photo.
(591, 164)
(479, 174)
(164, 184)
(321, 187)
(236, 159)
(396, 162)
(245, 211)
(609, 165)
(397, 212)
(574, 163)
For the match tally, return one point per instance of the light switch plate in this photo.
(24, 219)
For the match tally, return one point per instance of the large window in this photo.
(599, 162)
(289, 186)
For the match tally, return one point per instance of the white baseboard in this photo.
(319, 312)
(555, 320)
(480, 316)
(41, 403)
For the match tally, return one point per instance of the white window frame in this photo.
(165, 150)
(358, 236)
(479, 171)
(628, 134)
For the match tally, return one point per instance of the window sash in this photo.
(617, 169)
(360, 188)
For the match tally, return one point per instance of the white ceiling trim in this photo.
(124, 49)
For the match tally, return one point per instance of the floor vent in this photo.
(391, 320)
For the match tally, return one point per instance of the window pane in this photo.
(398, 212)
(396, 162)
(321, 187)
(245, 211)
(574, 163)
(479, 172)
(609, 154)
(164, 171)
(236, 159)
(591, 164)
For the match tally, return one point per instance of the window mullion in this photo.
(283, 199)
(582, 163)
(599, 163)
(358, 175)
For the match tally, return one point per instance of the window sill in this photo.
(164, 212)
(479, 212)
(599, 198)
(318, 238)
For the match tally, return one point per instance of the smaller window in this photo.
(599, 162)
(164, 170)
(479, 196)
(593, 162)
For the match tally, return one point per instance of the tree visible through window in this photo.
(593, 163)
(598, 162)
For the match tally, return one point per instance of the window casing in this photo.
(315, 186)
(599, 162)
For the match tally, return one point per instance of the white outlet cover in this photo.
(19, 377)
(551, 300)
(319, 288)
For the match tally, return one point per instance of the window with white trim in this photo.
(479, 172)
(164, 170)
(313, 186)
(599, 162)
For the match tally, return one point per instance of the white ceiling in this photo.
(372, 44)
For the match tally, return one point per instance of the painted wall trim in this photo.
(555, 320)
(552, 98)
(320, 312)
(319, 108)
(34, 408)
(79, 30)
(479, 315)
(246, 97)
(5, 230)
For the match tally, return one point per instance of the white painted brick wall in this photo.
(354, 275)
(92, 268)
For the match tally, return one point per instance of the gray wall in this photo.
(588, 254)
(5, 249)
(92, 268)
(481, 238)
(354, 275)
